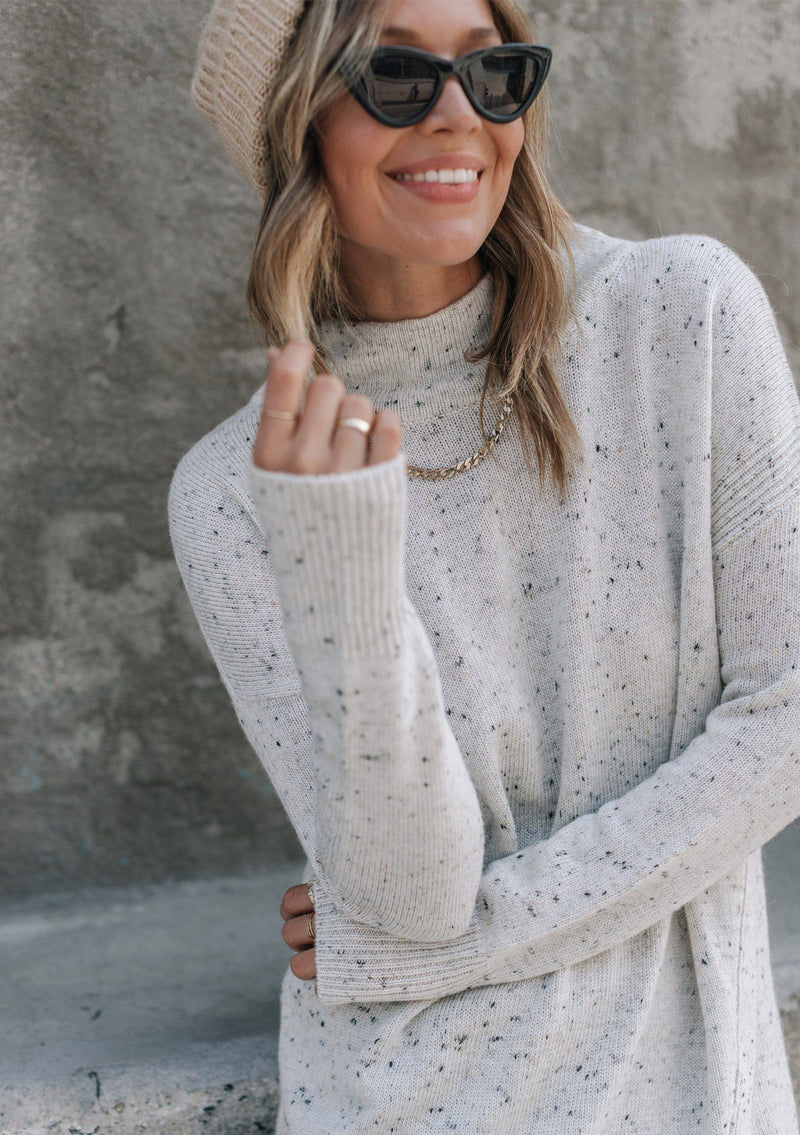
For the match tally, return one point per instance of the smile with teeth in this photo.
(445, 176)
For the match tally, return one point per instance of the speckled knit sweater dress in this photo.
(531, 744)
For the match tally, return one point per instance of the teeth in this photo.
(444, 176)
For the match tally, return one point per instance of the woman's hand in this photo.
(295, 908)
(313, 442)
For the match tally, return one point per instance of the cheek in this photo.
(357, 202)
(508, 145)
(509, 141)
(351, 156)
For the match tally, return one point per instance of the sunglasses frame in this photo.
(444, 69)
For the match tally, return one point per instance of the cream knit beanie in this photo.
(238, 56)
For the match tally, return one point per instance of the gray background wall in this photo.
(126, 238)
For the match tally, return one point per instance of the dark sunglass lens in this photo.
(502, 81)
(399, 86)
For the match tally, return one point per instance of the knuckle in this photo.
(326, 384)
(357, 404)
(389, 424)
(282, 374)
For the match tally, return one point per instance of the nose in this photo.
(452, 110)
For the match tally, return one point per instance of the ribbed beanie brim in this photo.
(238, 56)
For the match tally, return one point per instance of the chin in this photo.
(443, 253)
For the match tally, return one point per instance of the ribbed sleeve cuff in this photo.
(337, 542)
(357, 962)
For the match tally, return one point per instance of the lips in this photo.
(435, 191)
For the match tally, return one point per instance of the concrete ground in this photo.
(155, 1010)
(148, 1010)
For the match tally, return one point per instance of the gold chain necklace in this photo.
(469, 462)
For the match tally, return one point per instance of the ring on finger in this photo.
(286, 415)
(356, 424)
(311, 931)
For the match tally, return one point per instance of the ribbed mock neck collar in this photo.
(416, 365)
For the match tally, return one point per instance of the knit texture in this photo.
(531, 744)
(238, 56)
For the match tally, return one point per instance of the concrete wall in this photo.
(126, 239)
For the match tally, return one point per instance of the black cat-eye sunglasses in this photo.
(399, 85)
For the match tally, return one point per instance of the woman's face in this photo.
(382, 220)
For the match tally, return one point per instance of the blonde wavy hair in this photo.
(295, 280)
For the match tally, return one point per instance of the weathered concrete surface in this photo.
(148, 1009)
(124, 338)
(155, 1010)
(221, 1088)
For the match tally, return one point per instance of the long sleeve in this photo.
(608, 875)
(226, 571)
(398, 826)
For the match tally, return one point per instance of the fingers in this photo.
(387, 437)
(283, 392)
(295, 908)
(311, 439)
(306, 437)
(287, 372)
(304, 964)
(350, 446)
(295, 932)
(295, 901)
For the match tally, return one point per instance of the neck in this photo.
(388, 289)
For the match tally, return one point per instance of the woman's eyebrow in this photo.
(473, 36)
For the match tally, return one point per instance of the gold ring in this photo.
(284, 415)
(311, 932)
(356, 423)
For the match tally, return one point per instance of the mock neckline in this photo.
(415, 358)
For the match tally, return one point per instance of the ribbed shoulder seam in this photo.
(757, 459)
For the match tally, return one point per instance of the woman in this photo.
(532, 732)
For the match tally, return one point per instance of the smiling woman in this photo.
(532, 734)
(340, 239)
